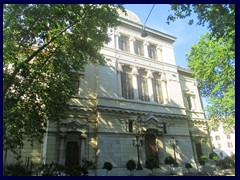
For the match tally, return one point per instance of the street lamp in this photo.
(138, 143)
(174, 144)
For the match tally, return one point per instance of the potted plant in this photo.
(151, 164)
(131, 165)
(171, 161)
(108, 166)
(188, 166)
(202, 161)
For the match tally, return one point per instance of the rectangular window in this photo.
(126, 81)
(142, 82)
(217, 138)
(230, 145)
(152, 52)
(123, 43)
(138, 47)
(228, 136)
(157, 90)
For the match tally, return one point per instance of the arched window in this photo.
(126, 81)
(142, 81)
(157, 88)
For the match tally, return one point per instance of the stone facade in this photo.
(105, 115)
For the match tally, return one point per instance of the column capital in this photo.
(119, 67)
(159, 46)
(149, 74)
(145, 43)
(134, 70)
(132, 39)
(117, 33)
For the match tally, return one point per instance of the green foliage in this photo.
(213, 64)
(169, 160)
(227, 163)
(108, 166)
(151, 163)
(188, 165)
(213, 58)
(131, 165)
(16, 170)
(203, 160)
(219, 18)
(43, 45)
(213, 156)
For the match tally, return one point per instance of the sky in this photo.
(187, 35)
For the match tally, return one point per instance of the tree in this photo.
(213, 58)
(43, 45)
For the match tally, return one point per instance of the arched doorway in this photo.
(151, 146)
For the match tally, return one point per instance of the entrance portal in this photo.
(72, 154)
(151, 147)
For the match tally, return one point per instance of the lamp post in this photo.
(138, 143)
(174, 143)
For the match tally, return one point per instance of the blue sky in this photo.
(186, 35)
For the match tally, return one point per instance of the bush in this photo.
(227, 163)
(131, 165)
(108, 166)
(151, 163)
(203, 160)
(169, 160)
(213, 156)
(16, 170)
(188, 165)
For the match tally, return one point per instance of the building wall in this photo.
(223, 143)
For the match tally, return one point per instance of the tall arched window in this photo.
(126, 81)
(157, 88)
(142, 81)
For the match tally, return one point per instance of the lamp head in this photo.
(144, 33)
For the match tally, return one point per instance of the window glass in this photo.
(126, 81)
(124, 43)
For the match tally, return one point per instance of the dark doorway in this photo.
(151, 147)
(199, 150)
(72, 154)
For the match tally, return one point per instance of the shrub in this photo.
(213, 156)
(151, 163)
(16, 170)
(108, 166)
(227, 163)
(188, 165)
(203, 160)
(131, 165)
(169, 160)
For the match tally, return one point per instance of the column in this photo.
(83, 148)
(159, 53)
(131, 44)
(145, 48)
(117, 35)
(134, 81)
(119, 86)
(150, 88)
(62, 149)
